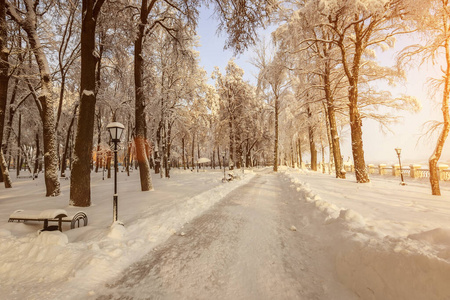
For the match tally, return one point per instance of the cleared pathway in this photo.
(243, 248)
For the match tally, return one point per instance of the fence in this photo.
(413, 171)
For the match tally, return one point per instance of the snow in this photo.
(395, 238)
(88, 93)
(45, 214)
(386, 241)
(34, 266)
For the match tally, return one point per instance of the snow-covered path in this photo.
(244, 247)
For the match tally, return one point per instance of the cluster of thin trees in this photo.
(72, 66)
(330, 51)
(67, 68)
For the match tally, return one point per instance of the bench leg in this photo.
(45, 223)
(60, 224)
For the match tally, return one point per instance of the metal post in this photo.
(115, 197)
(401, 173)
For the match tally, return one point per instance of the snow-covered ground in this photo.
(387, 241)
(394, 240)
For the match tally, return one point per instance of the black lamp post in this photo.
(399, 151)
(115, 130)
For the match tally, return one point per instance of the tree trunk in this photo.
(46, 101)
(80, 179)
(4, 169)
(167, 152)
(127, 157)
(19, 135)
(198, 152)
(182, 154)
(231, 153)
(108, 164)
(157, 155)
(357, 144)
(66, 147)
(292, 155)
(300, 159)
(129, 153)
(72, 145)
(331, 115)
(275, 147)
(144, 166)
(36, 159)
(218, 157)
(361, 173)
(49, 133)
(433, 160)
(12, 112)
(193, 151)
(4, 81)
(99, 140)
(312, 144)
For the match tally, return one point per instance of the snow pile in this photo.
(373, 257)
(37, 266)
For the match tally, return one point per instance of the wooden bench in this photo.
(49, 215)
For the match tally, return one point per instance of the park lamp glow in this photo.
(115, 130)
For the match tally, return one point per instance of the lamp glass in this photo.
(115, 130)
(398, 150)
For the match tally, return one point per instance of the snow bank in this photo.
(374, 259)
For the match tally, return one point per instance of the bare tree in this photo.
(4, 80)
(28, 22)
(80, 183)
(432, 20)
(273, 82)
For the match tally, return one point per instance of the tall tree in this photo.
(4, 80)
(28, 21)
(80, 190)
(273, 82)
(432, 19)
(235, 94)
(356, 28)
(313, 53)
(140, 101)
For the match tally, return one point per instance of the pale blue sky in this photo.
(211, 51)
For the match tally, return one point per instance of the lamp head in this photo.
(115, 130)
(398, 150)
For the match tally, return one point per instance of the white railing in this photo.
(413, 171)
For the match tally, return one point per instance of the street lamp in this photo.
(399, 151)
(115, 130)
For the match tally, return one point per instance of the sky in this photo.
(378, 145)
